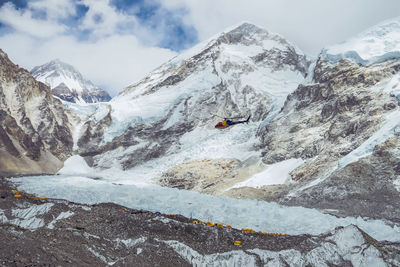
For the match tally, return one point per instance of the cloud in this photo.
(113, 62)
(54, 9)
(104, 20)
(311, 24)
(24, 21)
(109, 47)
(114, 43)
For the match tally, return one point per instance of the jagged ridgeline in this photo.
(68, 84)
(35, 134)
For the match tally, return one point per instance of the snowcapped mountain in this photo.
(67, 83)
(35, 134)
(241, 72)
(323, 136)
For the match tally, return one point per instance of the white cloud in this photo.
(104, 19)
(23, 21)
(311, 24)
(55, 9)
(108, 58)
(119, 50)
(114, 62)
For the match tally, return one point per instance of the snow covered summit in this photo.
(67, 83)
(243, 71)
(376, 44)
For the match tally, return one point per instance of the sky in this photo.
(115, 43)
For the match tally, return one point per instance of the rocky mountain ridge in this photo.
(35, 133)
(67, 83)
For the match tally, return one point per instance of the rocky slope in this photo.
(346, 113)
(342, 123)
(243, 71)
(68, 84)
(39, 231)
(35, 134)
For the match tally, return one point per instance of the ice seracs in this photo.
(67, 83)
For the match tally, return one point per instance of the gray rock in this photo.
(108, 234)
(34, 131)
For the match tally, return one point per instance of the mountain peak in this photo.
(76, 88)
(246, 26)
(248, 39)
(56, 64)
(242, 33)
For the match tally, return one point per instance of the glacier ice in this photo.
(259, 215)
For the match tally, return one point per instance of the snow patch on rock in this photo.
(277, 173)
(386, 131)
(129, 243)
(231, 258)
(62, 215)
(26, 218)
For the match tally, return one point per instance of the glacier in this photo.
(240, 213)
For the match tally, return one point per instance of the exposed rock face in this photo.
(34, 132)
(213, 176)
(68, 83)
(368, 187)
(326, 120)
(332, 117)
(245, 71)
(54, 232)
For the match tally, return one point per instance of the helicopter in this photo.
(228, 122)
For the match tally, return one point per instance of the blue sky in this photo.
(115, 43)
